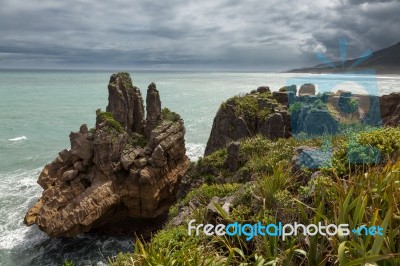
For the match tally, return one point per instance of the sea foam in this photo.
(194, 151)
(18, 139)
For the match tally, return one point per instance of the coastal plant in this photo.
(346, 193)
(205, 192)
(247, 105)
(138, 140)
(109, 120)
(168, 115)
(68, 263)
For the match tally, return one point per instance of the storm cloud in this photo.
(175, 34)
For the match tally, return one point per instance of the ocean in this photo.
(39, 108)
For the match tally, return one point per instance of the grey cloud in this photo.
(227, 34)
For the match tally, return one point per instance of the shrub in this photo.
(108, 118)
(205, 192)
(168, 115)
(247, 105)
(138, 140)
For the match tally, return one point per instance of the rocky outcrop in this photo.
(255, 113)
(266, 113)
(307, 89)
(233, 158)
(390, 109)
(125, 103)
(153, 109)
(113, 172)
(310, 158)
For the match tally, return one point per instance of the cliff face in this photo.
(125, 167)
(260, 112)
(390, 109)
(265, 113)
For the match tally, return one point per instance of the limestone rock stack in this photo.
(126, 167)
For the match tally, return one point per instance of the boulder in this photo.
(276, 125)
(158, 158)
(390, 109)
(263, 89)
(281, 97)
(307, 89)
(310, 158)
(232, 160)
(69, 175)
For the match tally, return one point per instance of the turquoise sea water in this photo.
(38, 110)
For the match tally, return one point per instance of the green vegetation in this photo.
(168, 115)
(364, 192)
(126, 79)
(353, 105)
(138, 140)
(295, 107)
(68, 263)
(248, 105)
(314, 106)
(108, 118)
(291, 88)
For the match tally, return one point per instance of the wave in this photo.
(194, 151)
(18, 139)
(28, 245)
(19, 191)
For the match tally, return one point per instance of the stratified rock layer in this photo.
(271, 120)
(113, 172)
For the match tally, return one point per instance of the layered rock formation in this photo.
(390, 109)
(309, 113)
(240, 117)
(126, 167)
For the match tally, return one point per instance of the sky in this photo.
(251, 35)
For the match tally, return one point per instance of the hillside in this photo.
(385, 61)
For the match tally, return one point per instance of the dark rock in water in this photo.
(106, 177)
(232, 160)
(307, 89)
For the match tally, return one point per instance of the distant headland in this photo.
(384, 61)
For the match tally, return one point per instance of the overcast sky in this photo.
(260, 35)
